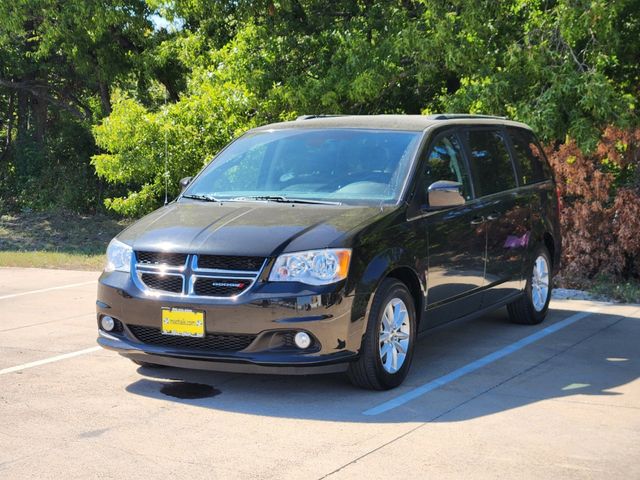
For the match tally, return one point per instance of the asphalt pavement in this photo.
(484, 399)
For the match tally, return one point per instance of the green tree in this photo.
(567, 67)
(58, 61)
(143, 146)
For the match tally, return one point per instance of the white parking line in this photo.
(30, 292)
(44, 361)
(473, 366)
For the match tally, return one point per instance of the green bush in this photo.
(144, 145)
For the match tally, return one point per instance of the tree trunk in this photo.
(39, 109)
(7, 142)
(105, 98)
(23, 115)
(22, 136)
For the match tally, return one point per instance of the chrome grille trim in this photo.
(155, 259)
(235, 263)
(189, 273)
(160, 277)
(216, 272)
(194, 278)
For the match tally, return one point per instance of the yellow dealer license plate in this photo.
(183, 322)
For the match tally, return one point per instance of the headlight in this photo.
(118, 257)
(314, 267)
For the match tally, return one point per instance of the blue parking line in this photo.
(473, 366)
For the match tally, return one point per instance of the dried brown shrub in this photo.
(600, 217)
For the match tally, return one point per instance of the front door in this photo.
(456, 237)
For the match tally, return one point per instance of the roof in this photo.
(415, 123)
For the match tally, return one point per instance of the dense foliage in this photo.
(601, 207)
(58, 62)
(99, 98)
(567, 68)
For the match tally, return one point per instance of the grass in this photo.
(44, 259)
(56, 240)
(621, 291)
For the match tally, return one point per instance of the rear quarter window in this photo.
(490, 161)
(534, 167)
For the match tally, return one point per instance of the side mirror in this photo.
(445, 193)
(185, 182)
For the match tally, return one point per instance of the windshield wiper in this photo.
(283, 199)
(202, 197)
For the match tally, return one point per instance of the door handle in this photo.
(478, 221)
(493, 216)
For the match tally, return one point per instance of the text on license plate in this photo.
(183, 322)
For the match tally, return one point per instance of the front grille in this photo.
(228, 262)
(161, 258)
(219, 287)
(196, 275)
(211, 342)
(167, 283)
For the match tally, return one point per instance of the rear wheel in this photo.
(531, 308)
(387, 347)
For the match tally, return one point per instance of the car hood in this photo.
(245, 228)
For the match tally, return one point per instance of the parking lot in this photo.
(484, 399)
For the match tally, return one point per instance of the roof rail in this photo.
(453, 116)
(322, 115)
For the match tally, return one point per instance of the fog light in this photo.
(302, 339)
(107, 323)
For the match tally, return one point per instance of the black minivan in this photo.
(328, 244)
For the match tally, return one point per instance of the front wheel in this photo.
(387, 347)
(531, 308)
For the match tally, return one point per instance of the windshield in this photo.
(333, 165)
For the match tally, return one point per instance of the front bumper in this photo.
(267, 311)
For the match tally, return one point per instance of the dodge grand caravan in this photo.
(328, 244)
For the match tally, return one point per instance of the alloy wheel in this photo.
(395, 334)
(540, 283)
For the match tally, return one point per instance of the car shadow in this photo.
(589, 358)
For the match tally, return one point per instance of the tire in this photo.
(369, 371)
(147, 364)
(531, 308)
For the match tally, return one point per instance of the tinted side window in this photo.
(533, 166)
(445, 162)
(491, 162)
